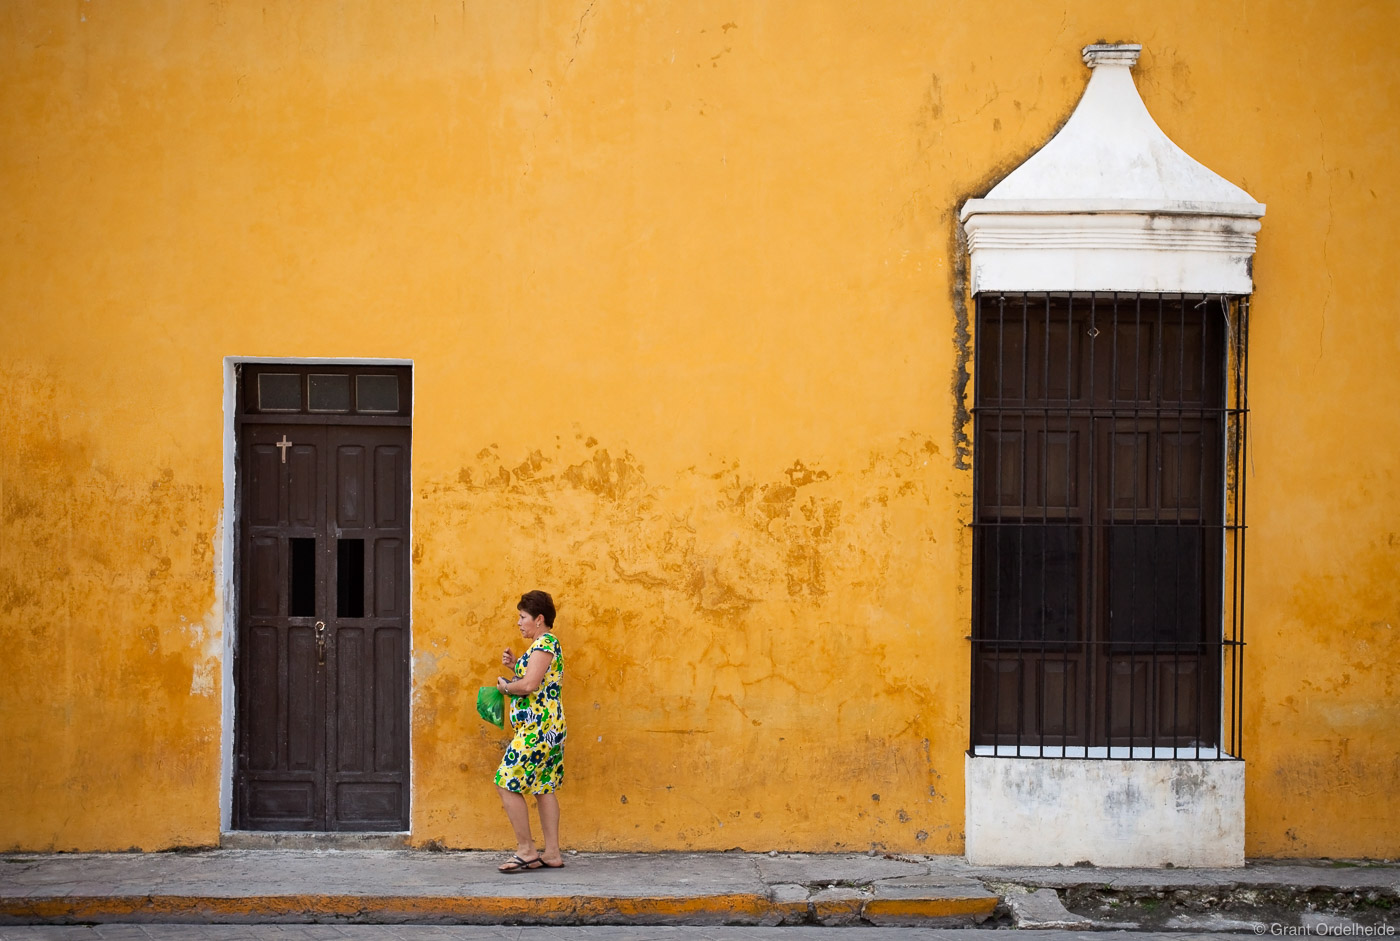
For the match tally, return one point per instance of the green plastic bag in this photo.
(491, 706)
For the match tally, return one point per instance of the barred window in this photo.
(1108, 525)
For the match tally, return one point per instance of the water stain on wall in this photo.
(113, 671)
(701, 616)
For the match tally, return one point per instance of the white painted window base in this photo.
(1063, 811)
(1191, 753)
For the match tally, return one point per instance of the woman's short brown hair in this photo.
(536, 603)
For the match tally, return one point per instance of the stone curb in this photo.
(750, 909)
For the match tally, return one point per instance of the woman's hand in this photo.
(501, 682)
(507, 658)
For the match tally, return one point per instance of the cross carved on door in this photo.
(284, 444)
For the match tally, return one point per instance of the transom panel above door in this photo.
(321, 669)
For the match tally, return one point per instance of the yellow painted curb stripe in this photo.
(929, 908)
(734, 908)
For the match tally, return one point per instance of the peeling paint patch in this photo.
(679, 586)
(962, 349)
(112, 686)
(206, 638)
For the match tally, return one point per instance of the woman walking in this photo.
(534, 762)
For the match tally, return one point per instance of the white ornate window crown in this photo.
(1111, 204)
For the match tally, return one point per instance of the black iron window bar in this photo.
(1108, 525)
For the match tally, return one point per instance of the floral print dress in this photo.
(534, 762)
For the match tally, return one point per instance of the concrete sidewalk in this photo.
(404, 886)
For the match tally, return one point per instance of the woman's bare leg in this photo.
(549, 823)
(519, 814)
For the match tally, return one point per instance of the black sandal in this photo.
(517, 864)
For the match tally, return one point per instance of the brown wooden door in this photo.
(322, 660)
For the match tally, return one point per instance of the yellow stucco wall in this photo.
(678, 283)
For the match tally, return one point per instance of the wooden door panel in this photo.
(390, 677)
(1185, 365)
(305, 471)
(1189, 701)
(1129, 471)
(1129, 374)
(1130, 698)
(390, 578)
(370, 804)
(302, 699)
(265, 479)
(390, 473)
(1063, 377)
(999, 691)
(350, 486)
(265, 577)
(262, 698)
(283, 805)
(1060, 709)
(1001, 376)
(1179, 703)
(1002, 466)
(1183, 472)
(1059, 472)
(350, 701)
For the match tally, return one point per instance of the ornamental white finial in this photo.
(1111, 54)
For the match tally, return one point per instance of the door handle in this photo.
(321, 643)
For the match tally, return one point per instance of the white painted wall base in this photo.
(1057, 811)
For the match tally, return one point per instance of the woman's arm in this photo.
(534, 675)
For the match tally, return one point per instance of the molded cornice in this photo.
(1111, 204)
